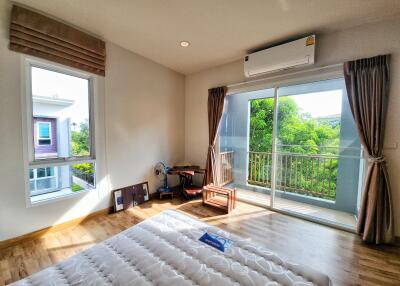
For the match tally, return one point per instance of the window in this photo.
(43, 180)
(45, 172)
(59, 130)
(44, 133)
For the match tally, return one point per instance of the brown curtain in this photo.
(35, 34)
(367, 83)
(216, 99)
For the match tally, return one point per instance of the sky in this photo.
(320, 104)
(49, 84)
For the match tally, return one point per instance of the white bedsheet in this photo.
(165, 250)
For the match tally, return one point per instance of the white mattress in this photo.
(165, 250)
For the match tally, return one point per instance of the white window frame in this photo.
(27, 62)
(38, 133)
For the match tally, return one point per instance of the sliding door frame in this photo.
(274, 154)
(277, 82)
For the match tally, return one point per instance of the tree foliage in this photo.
(80, 140)
(80, 147)
(298, 133)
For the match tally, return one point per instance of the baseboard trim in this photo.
(39, 233)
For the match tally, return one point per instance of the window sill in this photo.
(55, 196)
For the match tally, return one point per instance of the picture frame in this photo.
(118, 200)
(131, 196)
(146, 191)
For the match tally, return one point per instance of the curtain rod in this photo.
(283, 75)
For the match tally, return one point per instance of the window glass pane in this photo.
(41, 172)
(48, 183)
(44, 130)
(63, 179)
(31, 175)
(245, 138)
(318, 162)
(83, 175)
(60, 108)
(31, 185)
(44, 172)
(44, 141)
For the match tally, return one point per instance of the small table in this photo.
(162, 194)
(219, 197)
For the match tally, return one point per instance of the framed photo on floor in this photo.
(118, 201)
(141, 193)
(146, 192)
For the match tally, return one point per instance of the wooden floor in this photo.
(314, 212)
(339, 254)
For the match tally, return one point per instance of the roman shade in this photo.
(38, 35)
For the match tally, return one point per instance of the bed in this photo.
(166, 250)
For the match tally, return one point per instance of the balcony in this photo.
(306, 184)
(304, 174)
(226, 169)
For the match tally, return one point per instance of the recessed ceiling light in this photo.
(184, 44)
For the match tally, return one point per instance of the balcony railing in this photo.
(307, 174)
(226, 169)
(87, 177)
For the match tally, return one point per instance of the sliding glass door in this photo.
(317, 152)
(294, 148)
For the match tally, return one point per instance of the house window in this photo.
(43, 180)
(59, 129)
(44, 133)
(45, 172)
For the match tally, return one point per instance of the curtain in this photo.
(216, 99)
(367, 83)
(38, 35)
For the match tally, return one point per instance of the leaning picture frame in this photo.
(118, 201)
(146, 192)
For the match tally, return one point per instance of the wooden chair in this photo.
(189, 189)
(219, 197)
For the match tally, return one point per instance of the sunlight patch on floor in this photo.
(334, 216)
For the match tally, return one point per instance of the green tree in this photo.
(298, 133)
(80, 140)
(81, 147)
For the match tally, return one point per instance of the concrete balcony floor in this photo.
(339, 218)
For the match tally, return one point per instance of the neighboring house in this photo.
(51, 136)
(45, 136)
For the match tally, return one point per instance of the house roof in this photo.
(52, 100)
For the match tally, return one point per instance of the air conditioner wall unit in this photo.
(293, 54)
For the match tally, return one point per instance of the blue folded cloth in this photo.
(216, 241)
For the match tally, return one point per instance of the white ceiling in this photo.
(219, 31)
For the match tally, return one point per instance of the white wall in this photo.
(360, 42)
(141, 104)
(144, 115)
